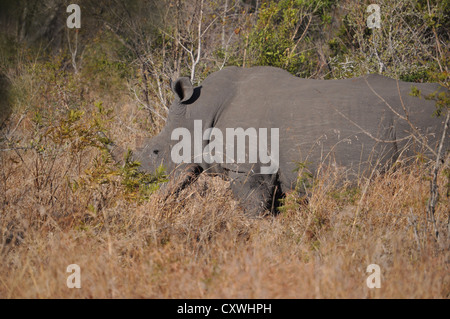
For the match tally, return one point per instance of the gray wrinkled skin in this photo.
(343, 123)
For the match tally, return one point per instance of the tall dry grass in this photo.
(198, 244)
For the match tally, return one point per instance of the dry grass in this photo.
(199, 244)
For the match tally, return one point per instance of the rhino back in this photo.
(321, 120)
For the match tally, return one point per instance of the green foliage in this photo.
(441, 98)
(292, 202)
(418, 75)
(274, 37)
(140, 185)
(305, 179)
(405, 46)
(72, 130)
(286, 33)
(107, 64)
(415, 91)
(337, 47)
(436, 13)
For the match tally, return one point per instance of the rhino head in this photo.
(190, 106)
(156, 151)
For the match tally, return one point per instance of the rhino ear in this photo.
(183, 89)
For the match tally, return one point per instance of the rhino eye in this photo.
(156, 152)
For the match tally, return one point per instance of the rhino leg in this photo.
(256, 193)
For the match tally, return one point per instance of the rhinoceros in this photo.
(352, 125)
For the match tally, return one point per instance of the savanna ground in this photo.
(63, 200)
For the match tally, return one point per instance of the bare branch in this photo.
(431, 207)
(419, 137)
(368, 133)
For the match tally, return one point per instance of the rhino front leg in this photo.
(256, 193)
